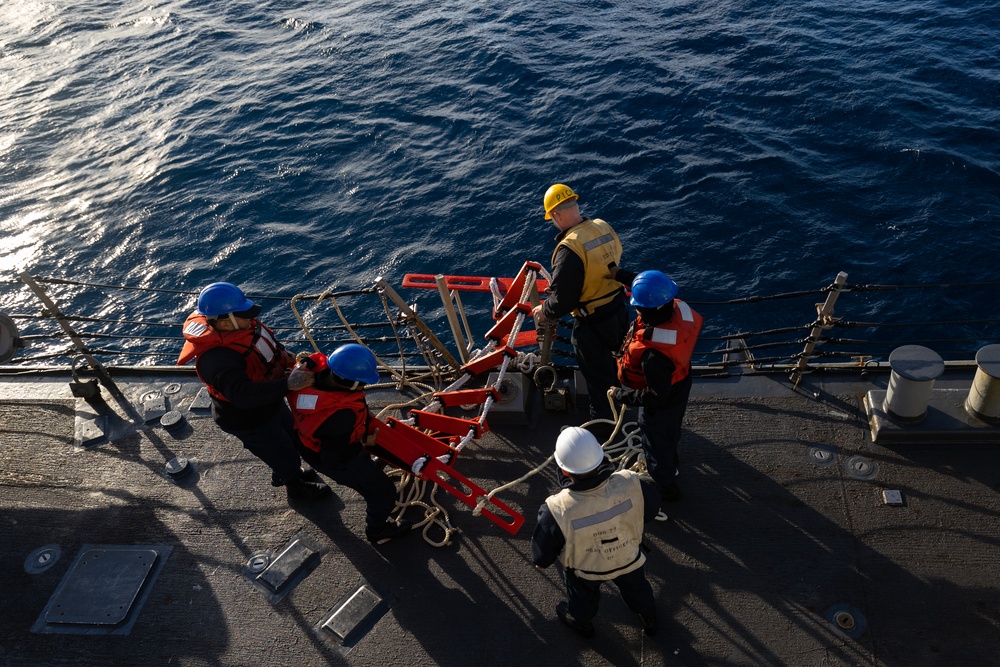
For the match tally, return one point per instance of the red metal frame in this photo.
(411, 444)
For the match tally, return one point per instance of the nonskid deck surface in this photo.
(771, 545)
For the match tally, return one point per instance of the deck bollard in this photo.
(914, 369)
(983, 401)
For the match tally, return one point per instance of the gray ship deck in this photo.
(769, 543)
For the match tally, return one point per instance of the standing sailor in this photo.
(586, 256)
(244, 368)
(655, 372)
(332, 420)
(594, 526)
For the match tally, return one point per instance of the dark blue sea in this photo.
(745, 148)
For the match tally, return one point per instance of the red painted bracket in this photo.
(435, 471)
(502, 328)
(433, 421)
(402, 440)
(491, 360)
(515, 289)
(466, 396)
(524, 338)
(460, 283)
(409, 443)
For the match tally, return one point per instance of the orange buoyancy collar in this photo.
(265, 357)
(674, 338)
(311, 407)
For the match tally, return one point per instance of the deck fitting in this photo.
(276, 575)
(892, 497)
(821, 455)
(354, 615)
(42, 558)
(846, 621)
(858, 467)
(945, 422)
(177, 468)
(172, 420)
(103, 590)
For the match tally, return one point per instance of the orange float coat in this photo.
(265, 357)
(674, 338)
(311, 407)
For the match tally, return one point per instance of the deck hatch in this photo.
(101, 586)
(103, 590)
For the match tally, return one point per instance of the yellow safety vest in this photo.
(594, 242)
(602, 527)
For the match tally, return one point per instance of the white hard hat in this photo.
(577, 451)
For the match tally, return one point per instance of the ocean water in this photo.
(292, 146)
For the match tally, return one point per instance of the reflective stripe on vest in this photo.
(602, 527)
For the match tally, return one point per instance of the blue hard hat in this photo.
(355, 363)
(652, 289)
(222, 299)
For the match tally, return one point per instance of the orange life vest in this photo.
(311, 407)
(675, 338)
(265, 357)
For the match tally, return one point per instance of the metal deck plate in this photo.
(101, 586)
(276, 575)
(202, 401)
(354, 615)
(351, 613)
(103, 590)
(296, 557)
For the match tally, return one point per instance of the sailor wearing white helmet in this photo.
(594, 527)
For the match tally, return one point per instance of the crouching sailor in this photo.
(655, 371)
(332, 420)
(594, 527)
(245, 369)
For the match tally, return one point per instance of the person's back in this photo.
(585, 258)
(244, 369)
(594, 527)
(332, 418)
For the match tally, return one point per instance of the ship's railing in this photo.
(808, 329)
(130, 326)
(827, 341)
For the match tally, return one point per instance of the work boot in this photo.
(302, 489)
(649, 623)
(387, 531)
(583, 629)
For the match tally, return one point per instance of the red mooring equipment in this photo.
(431, 445)
(411, 444)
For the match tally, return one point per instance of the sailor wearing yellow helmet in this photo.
(584, 262)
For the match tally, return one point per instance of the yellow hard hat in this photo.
(556, 195)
